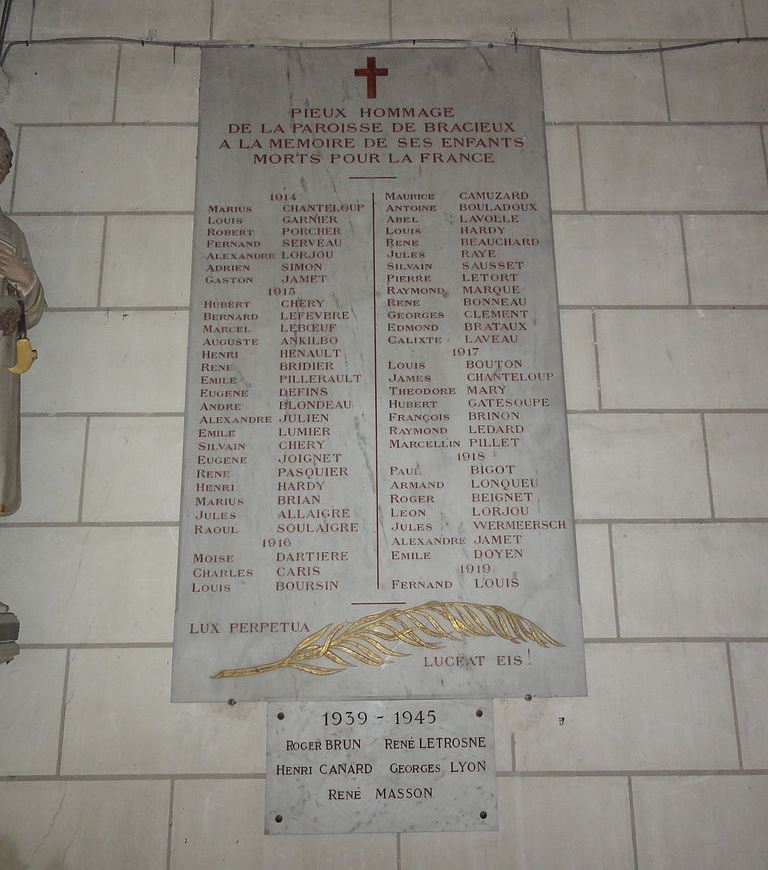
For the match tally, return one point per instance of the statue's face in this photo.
(6, 161)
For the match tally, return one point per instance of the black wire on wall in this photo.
(383, 43)
(4, 18)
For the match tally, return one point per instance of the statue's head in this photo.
(6, 155)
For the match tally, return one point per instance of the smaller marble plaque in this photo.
(380, 766)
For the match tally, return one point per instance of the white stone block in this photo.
(133, 472)
(718, 83)
(66, 250)
(619, 260)
(655, 19)
(158, 83)
(638, 466)
(147, 260)
(87, 825)
(564, 169)
(564, 823)
(30, 713)
(738, 444)
(234, 810)
(109, 362)
(305, 20)
(92, 585)
(706, 168)
(582, 87)
(171, 19)
(107, 168)
(579, 360)
(120, 720)
(61, 83)
(486, 19)
(595, 581)
(683, 359)
(650, 707)
(757, 16)
(708, 822)
(691, 580)
(20, 21)
(727, 258)
(750, 677)
(51, 469)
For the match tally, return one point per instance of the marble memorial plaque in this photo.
(375, 766)
(376, 491)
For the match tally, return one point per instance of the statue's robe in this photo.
(10, 384)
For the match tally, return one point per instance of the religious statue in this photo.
(21, 306)
(9, 634)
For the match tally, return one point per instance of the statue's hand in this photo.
(14, 270)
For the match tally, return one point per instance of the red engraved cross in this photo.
(371, 72)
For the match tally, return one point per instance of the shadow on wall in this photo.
(10, 859)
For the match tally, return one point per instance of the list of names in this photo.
(376, 497)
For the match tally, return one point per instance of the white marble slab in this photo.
(380, 766)
(375, 420)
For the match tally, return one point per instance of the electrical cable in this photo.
(385, 43)
(4, 18)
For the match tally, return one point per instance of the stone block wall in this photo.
(660, 195)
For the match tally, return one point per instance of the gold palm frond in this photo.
(368, 640)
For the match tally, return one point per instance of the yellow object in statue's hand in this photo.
(25, 356)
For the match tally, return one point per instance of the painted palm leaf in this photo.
(370, 639)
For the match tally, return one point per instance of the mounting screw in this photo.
(281, 716)
(529, 697)
(479, 713)
(231, 702)
(278, 818)
(483, 814)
